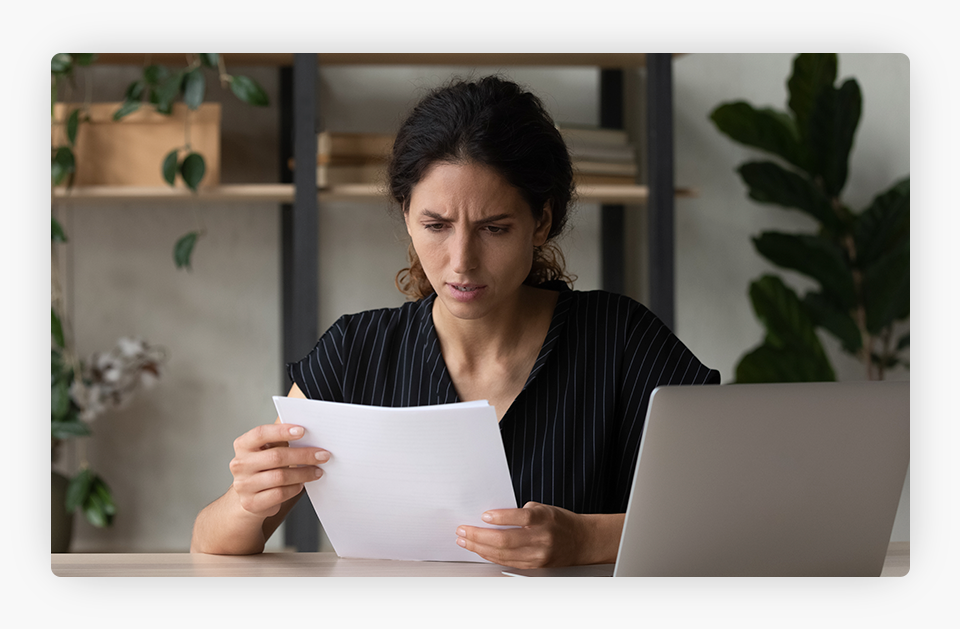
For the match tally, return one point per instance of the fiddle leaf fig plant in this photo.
(859, 260)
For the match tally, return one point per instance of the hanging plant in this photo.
(159, 88)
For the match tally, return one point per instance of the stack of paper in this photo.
(401, 480)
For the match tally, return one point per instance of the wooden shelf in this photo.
(280, 193)
(602, 60)
(283, 193)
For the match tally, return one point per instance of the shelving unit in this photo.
(284, 193)
(299, 197)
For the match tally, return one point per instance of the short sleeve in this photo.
(319, 375)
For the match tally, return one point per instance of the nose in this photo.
(463, 254)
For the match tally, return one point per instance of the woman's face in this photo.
(475, 235)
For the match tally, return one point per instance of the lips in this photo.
(465, 292)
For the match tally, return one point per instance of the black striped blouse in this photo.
(572, 435)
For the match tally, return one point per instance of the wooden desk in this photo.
(308, 565)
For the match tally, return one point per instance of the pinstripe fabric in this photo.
(571, 437)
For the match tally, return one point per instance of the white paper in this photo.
(401, 480)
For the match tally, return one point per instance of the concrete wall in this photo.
(166, 455)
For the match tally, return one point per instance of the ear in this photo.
(406, 221)
(542, 230)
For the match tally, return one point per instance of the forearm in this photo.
(225, 528)
(601, 537)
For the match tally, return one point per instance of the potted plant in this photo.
(82, 390)
(159, 88)
(859, 259)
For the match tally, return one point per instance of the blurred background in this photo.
(164, 454)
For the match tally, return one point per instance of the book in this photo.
(605, 180)
(592, 135)
(605, 168)
(336, 174)
(354, 145)
(601, 153)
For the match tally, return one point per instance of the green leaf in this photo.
(788, 324)
(59, 400)
(815, 257)
(135, 90)
(154, 74)
(774, 364)
(167, 91)
(886, 288)
(249, 91)
(84, 58)
(771, 183)
(765, 129)
(192, 170)
(811, 74)
(93, 510)
(194, 88)
(884, 224)
(209, 59)
(169, 168)
(56, 231)
(184, 249)
(103, 493)
(62, 165)
(68, 429)
(58, 370)
(79, 489)
(825, 314)
(56, 329)
(833, 124)
(61, 63)
(888, 361)
(127, 108)
(73, 122)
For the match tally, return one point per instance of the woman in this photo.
(484, 181)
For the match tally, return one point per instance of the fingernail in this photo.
(319, 472)
(461, 532)
(323, 456)
(296, 431)
(486, 517)
(462, 542)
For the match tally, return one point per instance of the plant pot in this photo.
(61, 522)
(130, 152)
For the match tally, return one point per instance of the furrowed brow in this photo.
(434, 215)
(493, 219)
(489, 219)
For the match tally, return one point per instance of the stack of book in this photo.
(600, 156)
(352, 158)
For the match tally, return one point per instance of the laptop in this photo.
(799, 479)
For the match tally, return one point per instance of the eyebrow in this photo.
(489, 219)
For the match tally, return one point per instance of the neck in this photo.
(499, 334)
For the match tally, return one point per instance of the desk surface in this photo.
(291, 564)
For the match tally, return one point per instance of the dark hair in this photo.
(496, 123)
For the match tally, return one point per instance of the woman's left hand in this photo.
(547, 537)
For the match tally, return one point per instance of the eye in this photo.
(433, 227)
(495, 229)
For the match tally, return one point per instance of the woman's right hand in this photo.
(267, 473)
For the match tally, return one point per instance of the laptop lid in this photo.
(796, 479)
(800, 479)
